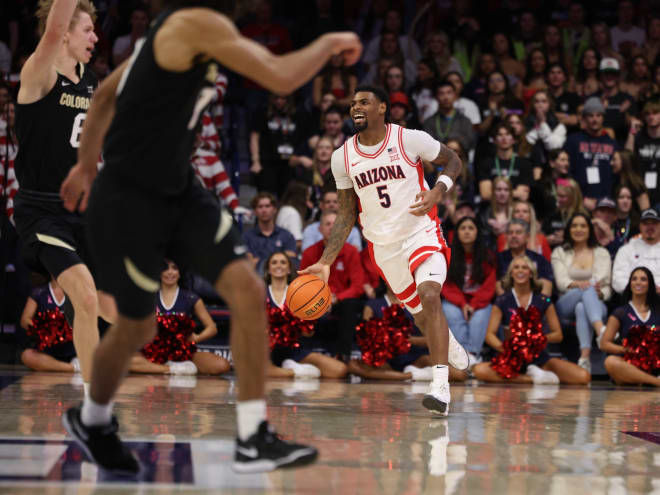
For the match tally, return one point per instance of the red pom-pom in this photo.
(380, 339)
(172, 342)
(284, 329)
(643, 347)
(50, 328)
(524, 344)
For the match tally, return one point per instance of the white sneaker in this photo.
(458, 356)
(437, 398)
(419, 374)
(75, 362)
(540, 376)
(585, 362)
(301, 370)
(182, 367)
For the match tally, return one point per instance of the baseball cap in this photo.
(399, 98)
(606, 203)
(593, 105)
(650, 214)
(609, 64)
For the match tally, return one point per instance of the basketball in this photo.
(308, 297)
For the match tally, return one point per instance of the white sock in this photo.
(94, 414)
(441, 373)
(86, 389)
(249, 415)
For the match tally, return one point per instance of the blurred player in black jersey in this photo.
(55, 93)
(146, 205)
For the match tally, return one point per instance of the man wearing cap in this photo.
(447, 123)
(641, 251)
(618, 104)
(400, 110)
(645, 145)
(591, 152)
(603, 220)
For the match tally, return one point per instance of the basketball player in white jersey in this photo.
(379, 171)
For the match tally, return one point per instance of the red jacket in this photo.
(479, 298)
(347, 276)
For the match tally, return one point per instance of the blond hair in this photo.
(43, 10)
(507, 281)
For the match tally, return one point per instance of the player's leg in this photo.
(78, 284)
(40, 361)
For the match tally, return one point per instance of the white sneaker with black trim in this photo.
(437, 398)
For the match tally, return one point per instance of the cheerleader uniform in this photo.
(508, 304)
(629, 317)
(184, 303)
(400, 361)
(279, 353)
(46, 301)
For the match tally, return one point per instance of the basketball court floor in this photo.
(374, 438)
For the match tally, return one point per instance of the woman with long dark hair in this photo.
(642, 308)
(586, 80)
(626, 225)
(470, 286)
(583, 274)
(294, 209)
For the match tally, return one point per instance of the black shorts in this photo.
(53, 238)
(131, 231)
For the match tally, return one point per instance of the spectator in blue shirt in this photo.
(266, 237)
(591, 153)
(517, 237)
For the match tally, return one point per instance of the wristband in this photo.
(446, 180)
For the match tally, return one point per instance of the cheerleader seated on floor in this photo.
(48, 344)
(632, 337)
(174, 350)
(516, 332)
(387, 315)
(291, 351)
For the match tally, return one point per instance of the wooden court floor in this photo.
(374, 438)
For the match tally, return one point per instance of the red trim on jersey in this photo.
(414, 302)
(403, 151)
(409, 291)
(380, 150)
(346, 166)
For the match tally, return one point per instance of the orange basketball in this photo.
(308, 297)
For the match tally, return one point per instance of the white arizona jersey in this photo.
(386, 178)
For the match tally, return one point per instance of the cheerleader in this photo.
(642, 308)
(288, 362)
(41, 352)
(523, 291)
(414, 365)
(172, 300)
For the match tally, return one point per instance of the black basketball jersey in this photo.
(151, 137)
(48, 132)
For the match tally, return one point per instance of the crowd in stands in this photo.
(553, 107)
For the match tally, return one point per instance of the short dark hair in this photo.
(502, 125)
(334, 109)
(521, 222)
(263, 195)
(553, 65)
(379, 93)
(443, 84)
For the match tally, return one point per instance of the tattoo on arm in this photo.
(343, 224)
(450, 162)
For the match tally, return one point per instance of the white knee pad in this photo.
(434, 269)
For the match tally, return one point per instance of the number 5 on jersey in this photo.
(384, 196)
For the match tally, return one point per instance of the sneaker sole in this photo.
(300, 457)
(435, 406)
(81, 443)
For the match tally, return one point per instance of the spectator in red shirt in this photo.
(470, 287)
(346, 282)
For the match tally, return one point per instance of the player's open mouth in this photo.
(358, 117)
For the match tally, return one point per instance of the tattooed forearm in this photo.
(342, 227)
(450, 162)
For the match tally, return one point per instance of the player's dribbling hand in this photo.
(426, 200)
(348, 44)
(321, 270)
(76, 187)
